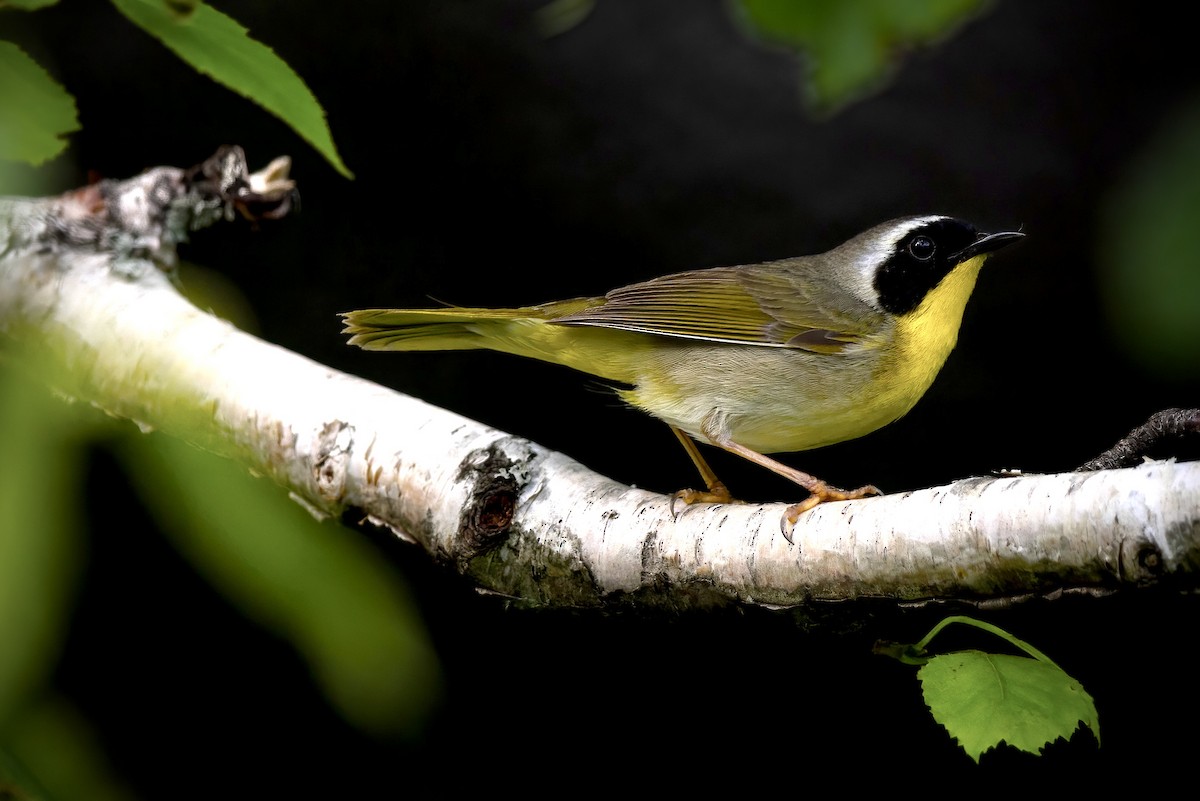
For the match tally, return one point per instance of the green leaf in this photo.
(26, 5)
(17, 783)
(219, 47)
(317, 584)
(181, 8)
(559, 16)
(1149, 254)
(35, 111)
(59, 750)
(984, 699)
(40, 542)
(854, 46)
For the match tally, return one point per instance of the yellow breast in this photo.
(925, 337)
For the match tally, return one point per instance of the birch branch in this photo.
(86, 283)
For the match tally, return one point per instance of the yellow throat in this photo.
(926, 335)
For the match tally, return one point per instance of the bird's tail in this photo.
(430, 329)
(530, 331)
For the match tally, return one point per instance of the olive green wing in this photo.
(776, 304)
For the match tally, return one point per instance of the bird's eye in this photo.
(921, 248)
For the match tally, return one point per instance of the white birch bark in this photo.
(85, 283)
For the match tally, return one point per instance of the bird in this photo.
(779, 356)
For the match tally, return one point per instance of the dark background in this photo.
(495, 167)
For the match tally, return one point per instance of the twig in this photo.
(1161, 427)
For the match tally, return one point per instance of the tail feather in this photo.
(423, 329)
(529, 331)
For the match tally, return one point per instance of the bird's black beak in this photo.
(987, 243)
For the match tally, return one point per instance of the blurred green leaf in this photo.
(218, 294)
(17, 783)
(54, 744)
(22, 179)
(317, 584)
(26, 5)
(560, 16)
(854, 46)
(219, 47)
(35, 111)
(1149, 251)
(985, 699)
(40, 532)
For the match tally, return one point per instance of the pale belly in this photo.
(772, 399)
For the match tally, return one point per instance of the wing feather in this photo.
(775, 304)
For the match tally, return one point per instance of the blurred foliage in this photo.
(41, 541)
(1149, 251)
(54, 748)
(318, 585)
(852, 47)
(26, 5)
(35, 111)
(42, 545)
(560, 16)
(17, 783)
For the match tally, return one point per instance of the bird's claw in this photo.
(717, 493)
(820, 495)
(678, 496)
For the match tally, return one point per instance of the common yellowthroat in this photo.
(785, 355)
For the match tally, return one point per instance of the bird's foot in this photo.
(822, 493)
(716, 493)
